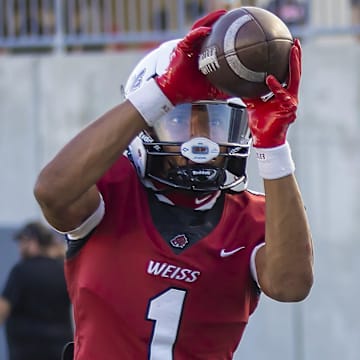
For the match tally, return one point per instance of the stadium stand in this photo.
(63, 25)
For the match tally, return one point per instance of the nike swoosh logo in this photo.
(224, 253)
(200, 201)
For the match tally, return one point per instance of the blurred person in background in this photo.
(34, 304)
(168, 251)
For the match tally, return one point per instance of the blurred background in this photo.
(62, 64)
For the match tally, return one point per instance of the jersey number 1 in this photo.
(165, 310)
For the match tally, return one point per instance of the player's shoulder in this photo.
(252, 202)
(120, 185)
(255, 194)
(248, 195)
(120, 171)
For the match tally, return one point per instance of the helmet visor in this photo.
(217, 121)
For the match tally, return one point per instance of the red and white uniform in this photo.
(134, 298)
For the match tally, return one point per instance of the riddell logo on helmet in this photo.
(138, 80)
(201, 172)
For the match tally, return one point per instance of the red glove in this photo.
(182, 81)
(269, 121)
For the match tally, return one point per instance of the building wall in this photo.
(45, 100)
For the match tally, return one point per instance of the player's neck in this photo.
(184, 198)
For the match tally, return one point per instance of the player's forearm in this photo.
(78, 166)
(289, 253)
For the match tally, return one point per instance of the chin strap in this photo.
(201, 178)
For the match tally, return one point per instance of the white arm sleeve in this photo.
(252, 263)
(150, 102)
(88, 225)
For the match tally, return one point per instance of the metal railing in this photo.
(60, 24)
(68, 24)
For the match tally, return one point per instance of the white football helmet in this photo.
(227, 136)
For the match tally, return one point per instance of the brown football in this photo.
(244, 46)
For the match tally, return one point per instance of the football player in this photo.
(168, 251)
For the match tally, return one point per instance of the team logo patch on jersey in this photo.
(179, 241)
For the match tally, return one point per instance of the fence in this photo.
(67, 24)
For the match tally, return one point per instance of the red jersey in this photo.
(134, 298)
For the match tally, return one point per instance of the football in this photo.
(244, 46)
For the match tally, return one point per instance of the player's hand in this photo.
(269, 120)
(182, 81)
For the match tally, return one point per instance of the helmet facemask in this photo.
(201, 142)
